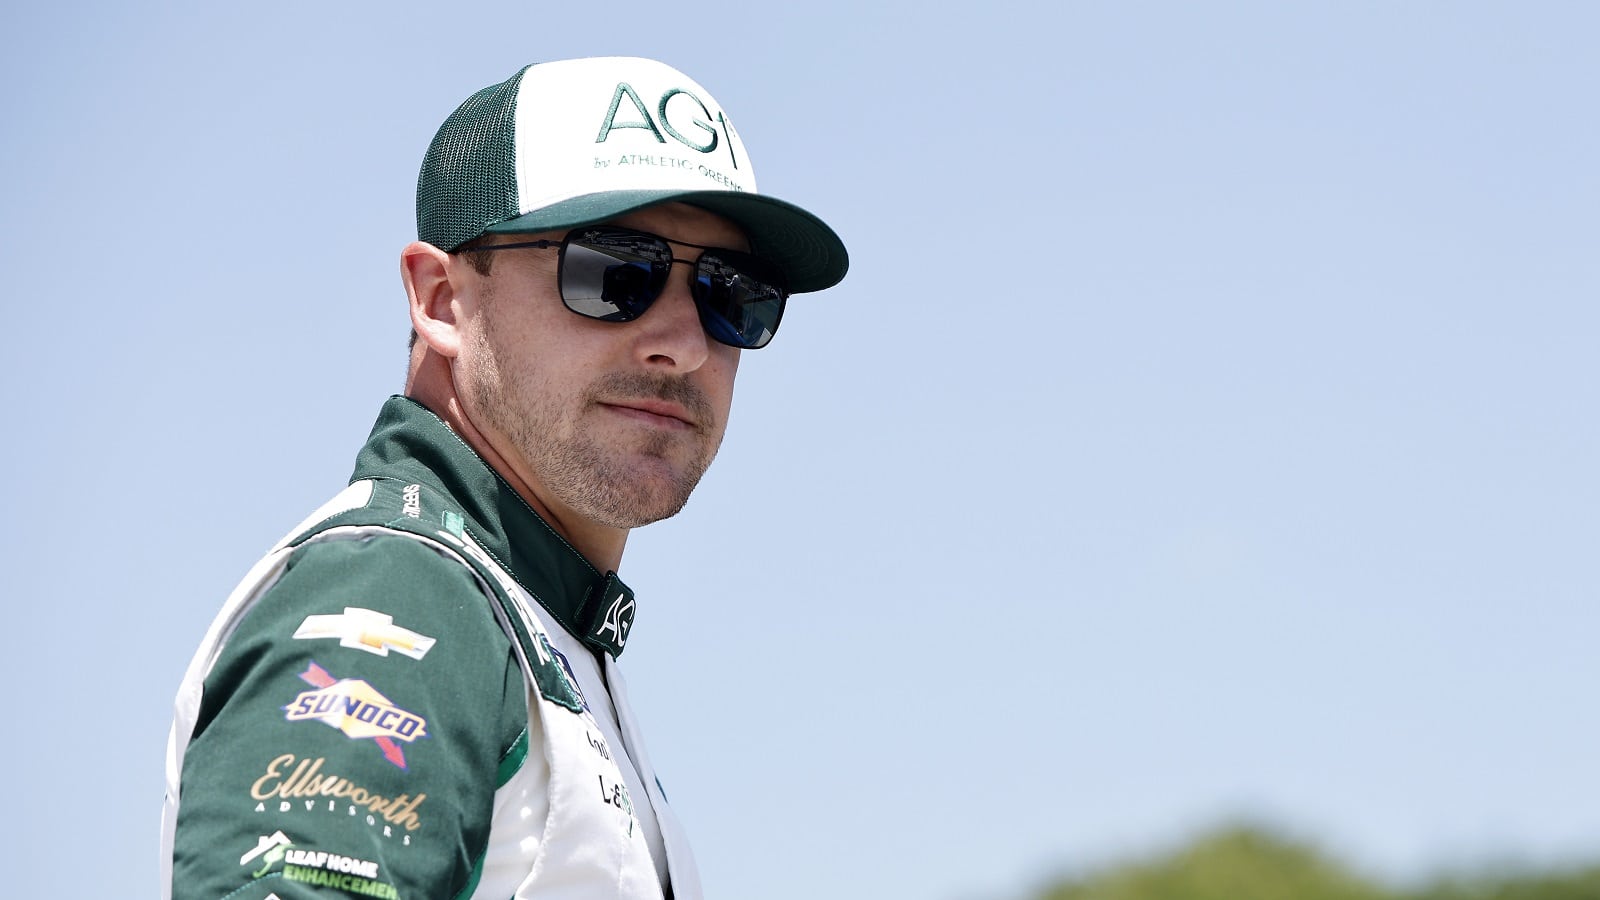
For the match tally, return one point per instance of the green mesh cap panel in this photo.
(469, 176)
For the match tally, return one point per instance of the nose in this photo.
(670, 336)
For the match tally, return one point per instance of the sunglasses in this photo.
(615, 274)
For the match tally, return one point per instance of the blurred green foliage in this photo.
(1252, 863)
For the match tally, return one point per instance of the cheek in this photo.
(722, 381)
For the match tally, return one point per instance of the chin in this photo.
(637, 499)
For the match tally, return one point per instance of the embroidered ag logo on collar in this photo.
(609, 616)
(619, 618)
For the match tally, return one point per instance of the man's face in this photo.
(614, 422)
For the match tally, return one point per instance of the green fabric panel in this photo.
(265, 761)
(471, 886)
(511, 763)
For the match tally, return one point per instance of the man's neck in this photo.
(601, 545)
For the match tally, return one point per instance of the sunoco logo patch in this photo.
(356, 708)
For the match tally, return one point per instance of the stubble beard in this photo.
(599, 480)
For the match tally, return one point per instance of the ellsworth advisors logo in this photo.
(356, 708)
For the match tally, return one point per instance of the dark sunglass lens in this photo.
(741, 298)
(612, 276)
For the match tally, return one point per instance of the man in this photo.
(415, 694)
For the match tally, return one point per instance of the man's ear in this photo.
(435, 302)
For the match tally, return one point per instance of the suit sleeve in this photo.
(352, 733)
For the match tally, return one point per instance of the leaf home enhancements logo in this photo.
(358, 710)
(319, 867)
(272, 846)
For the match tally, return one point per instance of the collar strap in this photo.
(607, 615)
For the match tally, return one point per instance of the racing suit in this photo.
(415, 695)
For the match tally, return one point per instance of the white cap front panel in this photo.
(589, 125)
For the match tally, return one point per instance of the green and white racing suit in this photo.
(416, 695)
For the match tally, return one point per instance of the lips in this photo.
(663, 402)
(656, 412)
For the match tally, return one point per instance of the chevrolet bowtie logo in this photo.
(365, 629)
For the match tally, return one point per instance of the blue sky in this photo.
(1205, 428)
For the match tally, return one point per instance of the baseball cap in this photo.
(574, 142)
